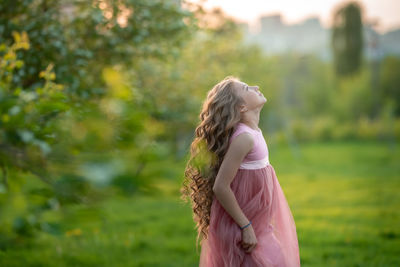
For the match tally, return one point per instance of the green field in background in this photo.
(344, 198)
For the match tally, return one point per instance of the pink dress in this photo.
(262, 200)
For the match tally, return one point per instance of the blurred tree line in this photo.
(93, 93)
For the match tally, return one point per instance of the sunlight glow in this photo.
(385, 12)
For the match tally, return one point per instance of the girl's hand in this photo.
(249, 240)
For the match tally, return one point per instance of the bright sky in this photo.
(386, 12)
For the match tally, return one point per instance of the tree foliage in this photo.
(81, 37)
(347, 39)
(72, 113)
(390, 82)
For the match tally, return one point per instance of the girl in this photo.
(241, 214)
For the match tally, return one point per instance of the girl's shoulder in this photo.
(240, 128)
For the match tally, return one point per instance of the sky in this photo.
(385, 12)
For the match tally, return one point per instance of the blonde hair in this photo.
(219, 115)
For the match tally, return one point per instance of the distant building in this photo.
(309, 37)
(391, 42)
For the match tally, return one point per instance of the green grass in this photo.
(344, 198)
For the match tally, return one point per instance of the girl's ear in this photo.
(243, 108)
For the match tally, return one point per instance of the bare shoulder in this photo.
(241, 145)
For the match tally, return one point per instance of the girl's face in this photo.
(251, 95)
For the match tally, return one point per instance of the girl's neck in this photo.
(251, 120)
(251, 124)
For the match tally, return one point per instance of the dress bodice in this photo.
(258, 156)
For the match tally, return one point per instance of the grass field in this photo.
(344, 198)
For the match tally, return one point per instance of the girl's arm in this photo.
(237, 150)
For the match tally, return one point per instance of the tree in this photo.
(347, 39)
(68, 111)
(390, 82)
(81, 41)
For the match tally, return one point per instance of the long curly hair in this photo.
(219, 115)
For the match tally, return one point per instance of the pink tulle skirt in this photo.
(262, 200)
